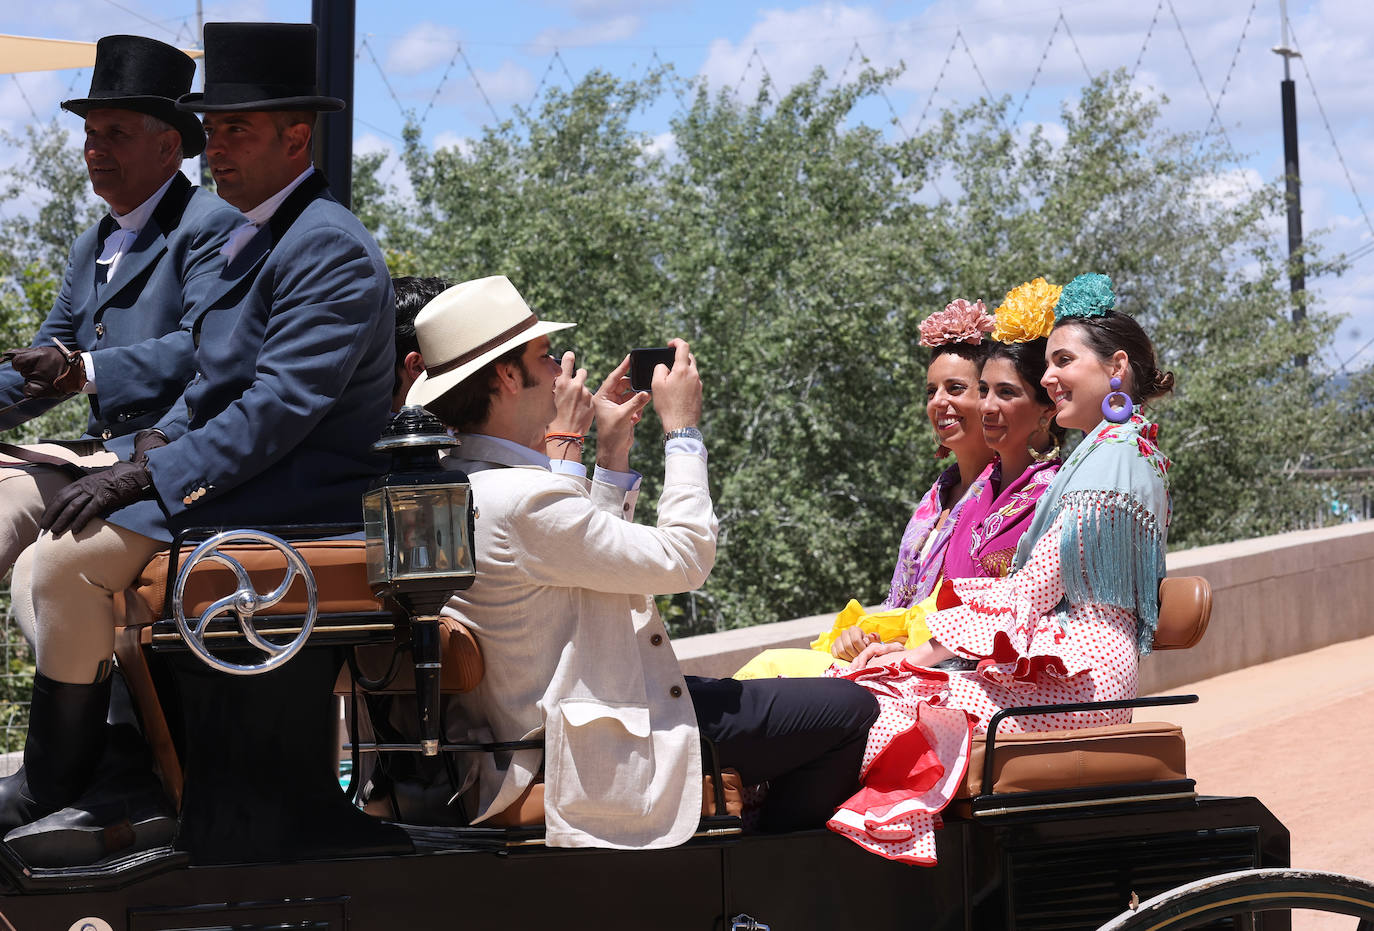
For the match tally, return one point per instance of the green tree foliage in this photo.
(46, 202)
(798, 249)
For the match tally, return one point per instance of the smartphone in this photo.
(642, 363)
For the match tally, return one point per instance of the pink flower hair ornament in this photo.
(960, 322)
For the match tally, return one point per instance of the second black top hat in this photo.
(259, 66)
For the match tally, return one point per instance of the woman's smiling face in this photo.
(952, 403)
(1077, 380)
(1010, 412)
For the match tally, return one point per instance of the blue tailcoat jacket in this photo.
(136, 325)
(294, 366)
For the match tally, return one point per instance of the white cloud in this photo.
(1228, 188)
(793, 43)
(615, 29)
(506, 84)
(392, 171)
(451, 140)
(664, 144)
(424, 46)
(41, 90)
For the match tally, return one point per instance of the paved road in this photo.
(1298, 734)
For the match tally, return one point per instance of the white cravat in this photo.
(258, 216)
(130, 225)
(116, 244)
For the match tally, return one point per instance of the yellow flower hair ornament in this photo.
(1027, 312)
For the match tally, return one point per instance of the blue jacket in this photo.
(294, 367)
(133, 324)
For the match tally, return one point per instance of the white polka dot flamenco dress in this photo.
(1032, 648)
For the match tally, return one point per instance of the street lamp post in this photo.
(334, 136)
(1297, 273)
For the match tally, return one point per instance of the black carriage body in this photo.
(268, 841)
(1036, 870)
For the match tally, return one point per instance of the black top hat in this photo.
(259, 66)
(146, 76)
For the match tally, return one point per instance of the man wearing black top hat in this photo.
(130, 280)
(293, 378)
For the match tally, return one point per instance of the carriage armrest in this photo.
(1185, 607)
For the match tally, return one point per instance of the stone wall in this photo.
(1271, 597)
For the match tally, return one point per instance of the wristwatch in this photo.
(686, 433)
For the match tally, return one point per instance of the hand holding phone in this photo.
(643, 362)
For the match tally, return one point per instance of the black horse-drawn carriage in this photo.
(238, 694)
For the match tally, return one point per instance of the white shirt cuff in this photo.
(568, 467)
(625, 481)
(88, 364)
(685, 444)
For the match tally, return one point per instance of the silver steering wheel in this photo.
(245, 602)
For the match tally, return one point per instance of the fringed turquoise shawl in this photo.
(1114, 494)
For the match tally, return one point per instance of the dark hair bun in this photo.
(1161, 383)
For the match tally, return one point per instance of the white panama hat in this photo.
(467, 326)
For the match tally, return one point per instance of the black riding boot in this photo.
(66, 739)
(123, 809)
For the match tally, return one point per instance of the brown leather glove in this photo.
(48, 371)
(145, 440)
(96, 495)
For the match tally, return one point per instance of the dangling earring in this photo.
(1110, 409)
(942, 451)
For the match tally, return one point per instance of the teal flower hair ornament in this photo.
(1089, 295)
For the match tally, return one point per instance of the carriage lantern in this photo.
(418, 517)
(418, 525)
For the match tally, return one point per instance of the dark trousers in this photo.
(805, 737)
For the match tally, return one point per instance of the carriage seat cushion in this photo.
(339, 567)
(1143, 751)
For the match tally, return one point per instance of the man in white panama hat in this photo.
(563, 603)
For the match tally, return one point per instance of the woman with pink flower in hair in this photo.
(956, 337)
(1070, 621)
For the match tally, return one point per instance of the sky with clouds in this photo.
(464, 65)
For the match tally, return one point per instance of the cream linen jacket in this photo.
(575, 650)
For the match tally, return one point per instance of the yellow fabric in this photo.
(790, 663)
(889, 625)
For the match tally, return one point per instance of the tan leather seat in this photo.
(1139, 752)
(339, 567)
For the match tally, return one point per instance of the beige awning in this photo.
(24, 53)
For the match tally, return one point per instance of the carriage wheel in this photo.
(1249, 892)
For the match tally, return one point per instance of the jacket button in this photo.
(106, 433)
(100, 331)
(675, 691)
(656, 639)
